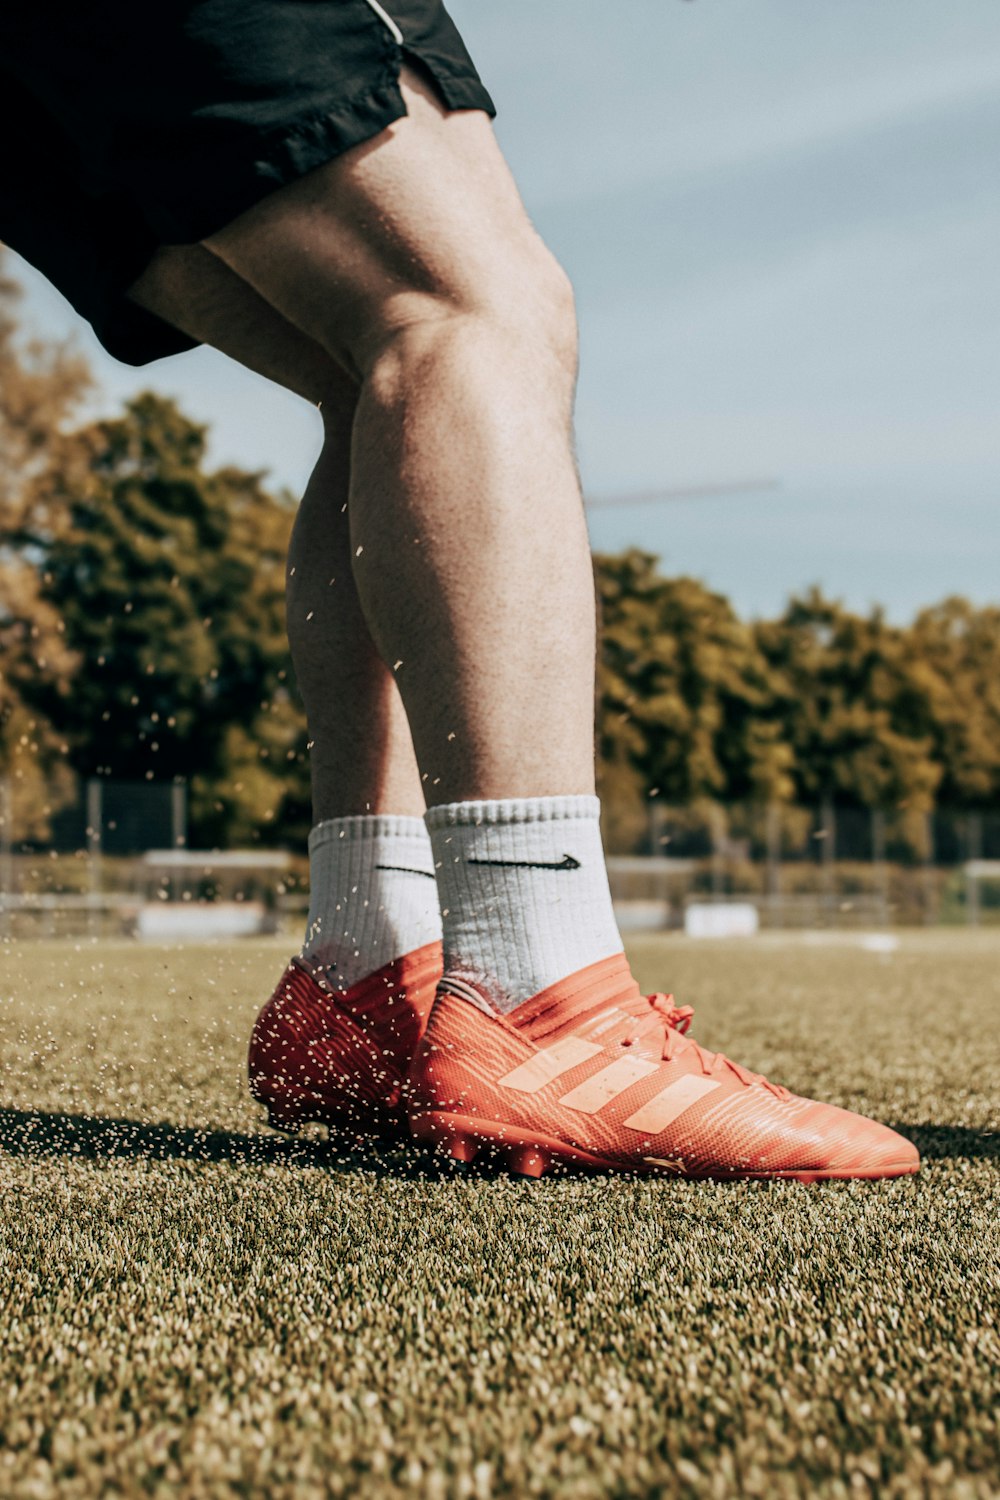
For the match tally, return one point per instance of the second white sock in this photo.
(524, 892)
(373, 896)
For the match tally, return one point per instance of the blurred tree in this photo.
(953, 677)
(684, 698)
(170, 582)
(41, 386)
(843, 689)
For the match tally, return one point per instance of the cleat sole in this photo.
(464, 1137)
(524, 1160)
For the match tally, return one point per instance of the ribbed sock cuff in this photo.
(511, 810)
(364, 827)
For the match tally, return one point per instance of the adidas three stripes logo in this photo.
(607, 1084)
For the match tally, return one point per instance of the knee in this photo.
(519, 318)
(551, 309)
(528, 302)
(336, 398)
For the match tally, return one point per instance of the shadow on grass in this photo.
(935, 1142)
(103, 1138)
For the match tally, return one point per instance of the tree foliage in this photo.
(41, 386)
(684, 704)
(820, 704)
(842, 688)
(952, 656)
(169, 580)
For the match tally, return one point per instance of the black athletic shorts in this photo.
(125, 126)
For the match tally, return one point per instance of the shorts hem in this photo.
(301, 145)
(136, 336)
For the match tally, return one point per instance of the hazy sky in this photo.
(782, 218)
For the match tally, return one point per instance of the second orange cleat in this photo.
(591, 1073)
(340, 1057)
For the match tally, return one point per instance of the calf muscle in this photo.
(362, 756)
(412, 260)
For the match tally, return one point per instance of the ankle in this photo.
(524, 892)
(373, 895)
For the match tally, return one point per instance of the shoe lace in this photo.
(676, 1023)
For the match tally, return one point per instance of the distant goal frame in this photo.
(976, 871)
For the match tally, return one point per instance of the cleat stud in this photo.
(526, 1160)
(464, 1149)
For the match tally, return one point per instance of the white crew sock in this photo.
(373, 895)
(524, 892)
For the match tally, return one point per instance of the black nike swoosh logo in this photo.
(405, 870)
(566, 863)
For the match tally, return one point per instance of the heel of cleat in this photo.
(284, 1119)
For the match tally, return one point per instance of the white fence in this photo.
(122, 847)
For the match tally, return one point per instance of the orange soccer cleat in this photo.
(341, 1058)
(591, 1073)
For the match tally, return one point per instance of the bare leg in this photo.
(412, 262)
(362, 755)
(334, 1040)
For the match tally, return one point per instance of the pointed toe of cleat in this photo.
(890, 1154)
(859, 1147)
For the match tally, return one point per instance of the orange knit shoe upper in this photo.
(317, 1053)
(592, 1072)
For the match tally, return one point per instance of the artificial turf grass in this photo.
(195, 1306)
